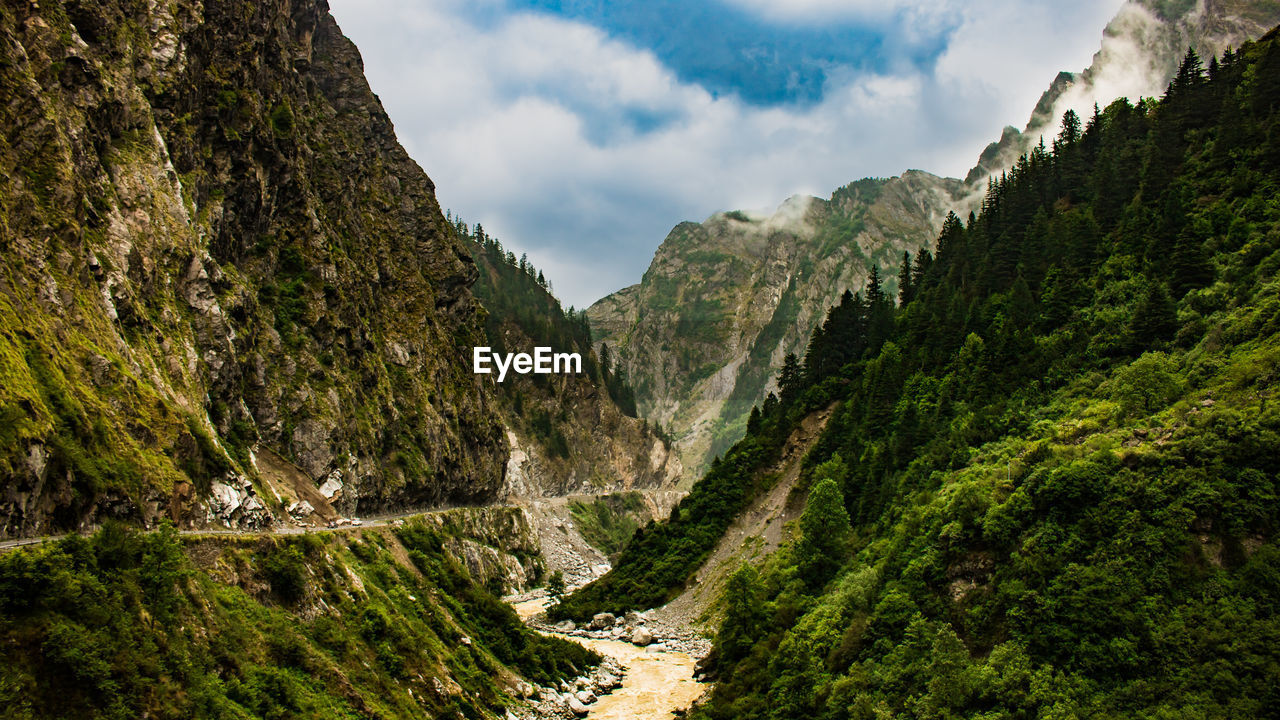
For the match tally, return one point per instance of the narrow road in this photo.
(279, 529)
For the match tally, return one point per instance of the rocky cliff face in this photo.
(704, 333)
(212, 242)
(1141, 49)
(566, 432)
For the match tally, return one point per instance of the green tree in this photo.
(1155, 320)
(744, 615)
(555, 587)
(824, 528)
(1147, 384)
(789, 378)
(906, 290)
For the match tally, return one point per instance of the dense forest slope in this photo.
(371, 624)
(724, 301)
(568, 433)
(1140, 52)
(1050, 486)
(212, 241)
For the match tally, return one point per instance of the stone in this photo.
(224, 500)
(641, 637)
(566, 626)
(576, 707)
(332, 484)
(656, 648)
(601, 621)
(586, 697)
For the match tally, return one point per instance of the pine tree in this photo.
(924, 259)
(875, 291)
(770, 405)
(606, 362)
(906, 290)
(789, 379)
(1155, 320)
(1070, 128)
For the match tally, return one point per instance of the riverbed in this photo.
(656, 683)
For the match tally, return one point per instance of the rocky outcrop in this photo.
(213, 240)
(498, 545)
(724, 301)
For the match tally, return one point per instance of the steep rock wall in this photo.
(212, 240)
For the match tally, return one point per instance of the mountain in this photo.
(726, 300)
(1046, 479)
(232, 310)
(1141, 48)
(568, 433)
(224, 281)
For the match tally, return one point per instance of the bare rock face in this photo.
(576, 706)
(704, 334)
(567, 435)
(214, 241)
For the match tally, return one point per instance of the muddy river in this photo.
(656, 683)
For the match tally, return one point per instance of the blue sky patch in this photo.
(730, 52)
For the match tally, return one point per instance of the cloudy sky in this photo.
(581, 131)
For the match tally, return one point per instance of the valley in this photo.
(1000, 447)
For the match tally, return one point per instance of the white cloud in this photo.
(819, 11)
(521, 122)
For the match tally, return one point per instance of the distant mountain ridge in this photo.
(724, 301)
(567, 434)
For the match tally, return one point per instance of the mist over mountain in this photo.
(721, 306)
(1139, 55)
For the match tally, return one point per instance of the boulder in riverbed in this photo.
(641, 637)
(601, 621)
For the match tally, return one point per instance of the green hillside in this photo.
(375, 624)
(1050, 486)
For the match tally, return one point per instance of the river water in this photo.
(656, 683)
